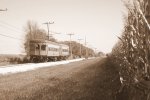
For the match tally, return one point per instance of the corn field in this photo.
(132, 52)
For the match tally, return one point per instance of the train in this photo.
(45, 50)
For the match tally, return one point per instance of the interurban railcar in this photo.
(44, 50)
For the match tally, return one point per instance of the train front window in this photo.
(43, 47)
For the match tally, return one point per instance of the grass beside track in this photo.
(94, 79)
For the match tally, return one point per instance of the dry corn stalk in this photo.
(132, 53)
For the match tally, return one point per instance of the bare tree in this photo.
(33, 32)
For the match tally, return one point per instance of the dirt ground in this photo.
(94, 79)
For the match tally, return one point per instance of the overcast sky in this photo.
(99, 20)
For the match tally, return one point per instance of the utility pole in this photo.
(48, 23)
(80, 47)
(86, 56)
(95, 51)
(70, 45)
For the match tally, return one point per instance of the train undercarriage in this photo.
(38, 59)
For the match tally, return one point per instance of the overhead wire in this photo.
(8, 33)
(11, 37)
(10, 27)
(16, 30)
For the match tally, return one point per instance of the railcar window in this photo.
(65, 50)
(53, 49)
(37, 47)
(43, 47)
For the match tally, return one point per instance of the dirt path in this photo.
(94, 79)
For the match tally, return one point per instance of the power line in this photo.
(8, 29)
(10, 37)
(8, 33)
(11, 27)
(55, 32)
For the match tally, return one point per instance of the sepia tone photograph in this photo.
(74, 49)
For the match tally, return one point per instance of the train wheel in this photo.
(49, 60)
(45, 59)
(59, 58)
(35, 60)
(55, 58)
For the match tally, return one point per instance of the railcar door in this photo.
(32, 49)
(37, 49)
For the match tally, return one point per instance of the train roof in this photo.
(64, 45)
(47, 41)
(42, 41)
